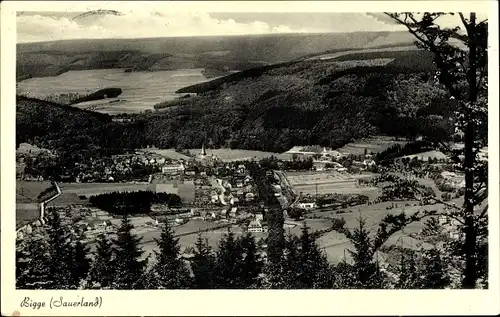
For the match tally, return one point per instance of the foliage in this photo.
(130, 269)
(102, 272)
(170, 270)
(203, 265)
(130, 203)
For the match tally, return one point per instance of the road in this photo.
(287, 189)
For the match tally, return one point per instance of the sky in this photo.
(50, 26)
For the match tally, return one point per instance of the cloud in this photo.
(34, 28)
(142, 24)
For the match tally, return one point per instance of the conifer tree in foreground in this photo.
(170, 270)
(227, 271)
(203, 265)
(251, 266)
(61, 255)
(102, 272)
(408, 271)
(32, 271)
(313, 268)
(80, 265)
(130, 269)
(435, 275)
(366, 270)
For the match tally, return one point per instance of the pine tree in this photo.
(228, 263)
(434, 271)
(367, 273)
(250, 264)
(32, 271)
(80, 264)
(407, 271)
(102, 271)
(130, 269)
(170, 270)
(61, 255)
(313, 268)
(203, 265)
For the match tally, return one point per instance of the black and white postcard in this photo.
(228, 158)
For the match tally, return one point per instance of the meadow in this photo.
(331, 182)
(374, 144)
(141, 90)
(236, 154)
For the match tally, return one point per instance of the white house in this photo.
(172, 168)
(308, 205)
(255, 226)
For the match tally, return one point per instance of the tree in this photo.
(127, 262)
(434, 271)
(203, 265)
(407, 272)
(170, 271)
(80, 264)
(61, 255)
(102, 272)
(362, 255)
(462, 70)
(312, 267)
(251, 266)
(227, 270)
(32, 271)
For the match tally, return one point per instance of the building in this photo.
(307, 205)
(255, 226)
(173, 169)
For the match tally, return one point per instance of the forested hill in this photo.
(68, 129)
(326, 102)
(220, 52)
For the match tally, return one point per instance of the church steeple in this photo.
(203, 152)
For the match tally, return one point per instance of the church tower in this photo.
(203, 152)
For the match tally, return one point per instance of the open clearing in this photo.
(329, 182)
(335, 244)
(373, 144)
(141, 90)
(233, 154)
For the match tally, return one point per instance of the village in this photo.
(220, 194)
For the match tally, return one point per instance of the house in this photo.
(369, 162)
(447, 174)
(215, 199)
(259, 216)
(233, 212)
(173, 169)
(307, 205)
(254, 226)
(249, 196)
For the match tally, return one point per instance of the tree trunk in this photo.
(470, 276)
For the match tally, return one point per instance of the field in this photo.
(214, 236)
(328, 182)
(335, 244)
(233, 155)
(373, 144)
(364, 51)
(141, 90)
(90, 189)
(170, 153)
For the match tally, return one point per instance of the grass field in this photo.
(373, 144)
(232, 154)
(170, 153)
(90, 189)
(141, 90)
(335, 244)
(328, 182)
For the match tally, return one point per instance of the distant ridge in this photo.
(99, 12)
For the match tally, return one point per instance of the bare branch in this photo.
(464, 21)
